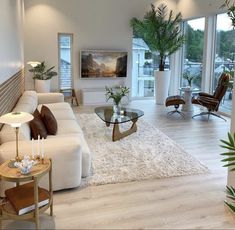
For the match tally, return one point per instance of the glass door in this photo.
(142, 70)
(193, 53)
(224, 57)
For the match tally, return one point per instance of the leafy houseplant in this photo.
(230, 191)
(41, 73)
(116, 93)
(42, 77)
(187, 76)
(231, 11)
(161, 34)
(230, 159)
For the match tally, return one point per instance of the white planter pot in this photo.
(42, 86)
(162, 83)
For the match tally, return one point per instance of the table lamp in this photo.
(16, 119)
(33, 63)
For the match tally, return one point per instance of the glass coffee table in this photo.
(106, 114)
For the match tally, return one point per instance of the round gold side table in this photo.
(14, 175)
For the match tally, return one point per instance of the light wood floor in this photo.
(188, 202)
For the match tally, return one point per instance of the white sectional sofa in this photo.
(68, 149)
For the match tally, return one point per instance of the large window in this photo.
(193, 52)
(143, 65)
(224, 57)
(65, 42)
(142, 70)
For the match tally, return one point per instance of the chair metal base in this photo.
(208, 114)
(175, 111)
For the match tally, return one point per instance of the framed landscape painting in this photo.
(103, 64)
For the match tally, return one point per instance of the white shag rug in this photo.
(146, 154)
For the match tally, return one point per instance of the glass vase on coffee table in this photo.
(116, 94)
(116, 107)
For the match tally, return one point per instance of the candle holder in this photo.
(38, 157)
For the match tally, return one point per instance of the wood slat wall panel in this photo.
(10, 92)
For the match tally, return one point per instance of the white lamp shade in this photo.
(15, 119)
(33, 63)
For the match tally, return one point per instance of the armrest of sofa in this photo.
(66, 155)
(47, 98)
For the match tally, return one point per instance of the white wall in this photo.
(197, 8)
(96, 24)
(11, 38)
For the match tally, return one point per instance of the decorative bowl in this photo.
(25, 165)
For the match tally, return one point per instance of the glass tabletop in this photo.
(184, 89)
(107, 115)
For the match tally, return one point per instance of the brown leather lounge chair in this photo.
(212, 101)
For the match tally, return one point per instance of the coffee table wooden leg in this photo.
(117, 135)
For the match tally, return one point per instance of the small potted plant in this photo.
(42, 77)
(189, 78)
(116, 93)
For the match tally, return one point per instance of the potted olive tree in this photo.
(42, 77)
(162, 33)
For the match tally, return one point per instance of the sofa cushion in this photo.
(68, 127)
(27, 102)
(61, 113)
(86, 153)
(24, 107)
(30, 97)
(49, 120)
(57, 106)
(37, 126)
(46, 98)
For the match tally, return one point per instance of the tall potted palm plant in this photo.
(162, 33)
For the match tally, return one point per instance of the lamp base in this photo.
(11, 164)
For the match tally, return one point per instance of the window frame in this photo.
(71, 35)
(209, 52)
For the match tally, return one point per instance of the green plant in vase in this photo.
(41, 73)
(230, 159)
(189, 78)
(116, 93)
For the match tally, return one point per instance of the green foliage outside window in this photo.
(195, 44)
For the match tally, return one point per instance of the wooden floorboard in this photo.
(187, 202)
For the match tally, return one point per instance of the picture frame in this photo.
(103, 64)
